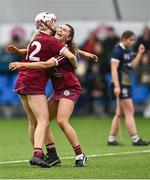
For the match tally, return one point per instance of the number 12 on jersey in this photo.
(32, 56)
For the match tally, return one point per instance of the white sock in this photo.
(112, 138)
(135, 138)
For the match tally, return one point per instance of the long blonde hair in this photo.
(37, 32)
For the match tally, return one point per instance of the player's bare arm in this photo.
(14, 50)
(138, 57)
(115, 79)
(34, 65)
(87, 54)
(72, 58)
(44, 65)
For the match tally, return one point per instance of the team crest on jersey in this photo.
(66, 92)
(129, 65)
(126, 56)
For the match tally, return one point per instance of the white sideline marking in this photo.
(94, 155)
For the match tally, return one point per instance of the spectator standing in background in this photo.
(93, 79)
(144, 39)
(143, 70)
(18, 40)
(96, 89)
(143, 76)
(108, 44)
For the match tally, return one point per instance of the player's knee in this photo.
(129, 113)
(118, 115)
(43, 123)
(32, 124)
(61, 122)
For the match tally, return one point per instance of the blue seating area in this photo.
(7, 96)
(140, 93)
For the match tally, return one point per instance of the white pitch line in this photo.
(93, 155)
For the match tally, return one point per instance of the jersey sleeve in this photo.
(57, 47)
(116, 55)
(60, 59)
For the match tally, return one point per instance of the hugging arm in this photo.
(34, 65)
(87, 54)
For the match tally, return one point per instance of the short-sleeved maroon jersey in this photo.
(42, 48)
(64, 76)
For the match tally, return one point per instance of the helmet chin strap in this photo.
(54, 31)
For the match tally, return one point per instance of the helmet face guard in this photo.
(43, 18)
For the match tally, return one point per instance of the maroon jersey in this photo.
(64, 76)
(42, 48)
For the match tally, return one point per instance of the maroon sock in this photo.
(77, 150)
(38, 152)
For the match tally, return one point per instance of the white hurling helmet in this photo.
(43, 17)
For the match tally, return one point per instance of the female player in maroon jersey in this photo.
(66, 92)
(31, 83)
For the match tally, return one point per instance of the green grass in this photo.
(93, 134)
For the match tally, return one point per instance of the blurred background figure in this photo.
(143, 77)
(93, 81)
(8, 99)
(144, 39)
(17, 39)
(108, 44)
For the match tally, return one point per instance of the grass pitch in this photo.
(124, 162)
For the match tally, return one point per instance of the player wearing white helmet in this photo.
(30, 84)
(63, 33)
(45, 19)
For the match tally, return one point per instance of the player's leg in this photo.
(112, 140)
(51, 156)
(31, 117)
(39, 106)
(128, 111)
(65, 109)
